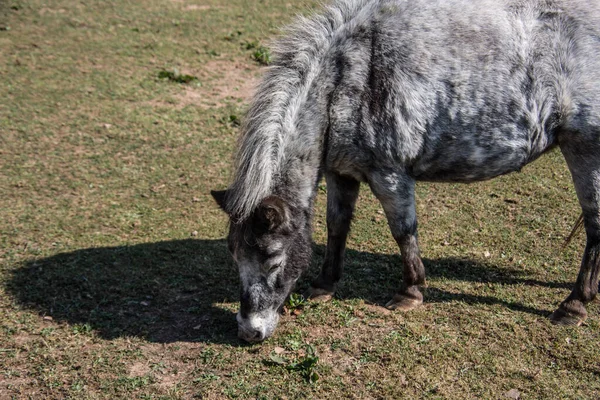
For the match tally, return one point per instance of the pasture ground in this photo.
(115, 281)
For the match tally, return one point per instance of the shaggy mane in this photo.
(270, 119)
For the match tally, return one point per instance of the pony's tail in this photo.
(576, 229)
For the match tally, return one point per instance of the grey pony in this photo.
(390, 92)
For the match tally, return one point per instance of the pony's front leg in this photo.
(342, 193)
(396, 192)
(582, 159)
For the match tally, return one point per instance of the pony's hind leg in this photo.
(396, 192)
(583, 159)
(342, 193)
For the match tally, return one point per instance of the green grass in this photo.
(262, 55)
(176, 76)
(115, 281)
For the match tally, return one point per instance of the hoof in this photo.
(319, 295)
(562, 317)
(403, 303)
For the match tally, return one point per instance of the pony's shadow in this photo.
(376, 277)
(182, 290)
(165, 292)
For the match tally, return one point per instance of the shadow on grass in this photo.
(164, 292)
(172, 291)
(376, 277)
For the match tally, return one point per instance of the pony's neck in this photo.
(281, 148)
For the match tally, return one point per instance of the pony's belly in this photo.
(475, 166)
(465, 171)
(480, 157)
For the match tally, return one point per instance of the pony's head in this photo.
(271, 248)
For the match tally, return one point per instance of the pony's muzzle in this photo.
(256, 328)
(251, 335)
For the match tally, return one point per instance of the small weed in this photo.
(209, 356)
(368, 355)
(8, 331)
(295, 302)
(294, 344)
(305, 366)
(53, 384)
(262, 55)
(231, 36)
(77, 386)
(340, 344)
(45, 332)
(295, 337)
(206, 377)
(82, 329)
(11, 373)
(175, 76)
(158, 367)
(251, 45)
(134, 383)
(346, 317)
(424, 339)
(231, 120)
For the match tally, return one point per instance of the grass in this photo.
(115, 280)
(262, 55)
(306, 365)
(295, 302)
(176, 76)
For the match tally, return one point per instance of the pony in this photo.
(390, 92)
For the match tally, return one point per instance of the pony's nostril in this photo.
(258, 335)
(251, 335)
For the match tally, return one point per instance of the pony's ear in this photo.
(273, 212)
(220, 197)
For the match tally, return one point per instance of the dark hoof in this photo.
(319, 295)
(562, 317)
(403, 303)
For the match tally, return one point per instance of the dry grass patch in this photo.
(229, 82)
(221, 83)
(198, 7)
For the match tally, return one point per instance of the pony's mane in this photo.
(271, 117)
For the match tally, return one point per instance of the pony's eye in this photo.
(273, 267)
